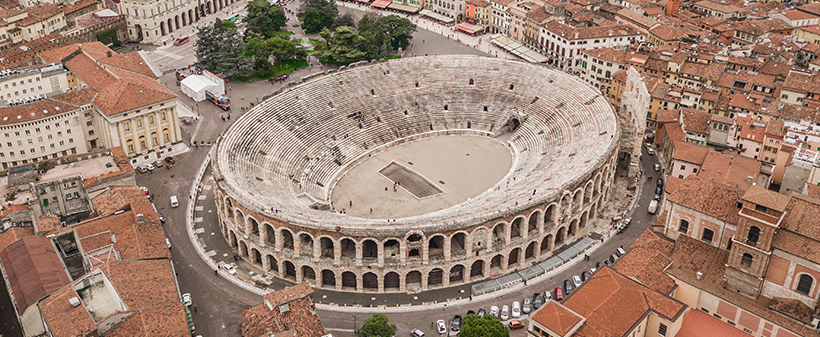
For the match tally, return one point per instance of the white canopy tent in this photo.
(195, 86)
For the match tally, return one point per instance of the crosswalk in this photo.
(167, 54)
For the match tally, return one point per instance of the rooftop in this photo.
(696, 323)
(732, 170)
(690, 153)
(287, 312)
(557, 318)
(704, 196)
(766, 198)
(33, 269)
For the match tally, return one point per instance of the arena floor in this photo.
(435, 173)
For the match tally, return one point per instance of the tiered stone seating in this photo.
(296, 143)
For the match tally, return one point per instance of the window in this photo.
(707, 235)
(139, 123)
(754, 234)
(126, 126)
(746, 260)
(662, 329)
(684, 226)
(804, 284)
(683, 167)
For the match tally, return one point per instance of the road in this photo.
(219, 301)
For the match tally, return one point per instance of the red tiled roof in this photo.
(34, 111)
(13, 234)
(134, 239)
(267, 317)
(168, 320)
(33, 270)
(730, 170)
(556, 317)
(690, 153)
(704, 196)
(64, 319)
(143, 284)
(696, 323)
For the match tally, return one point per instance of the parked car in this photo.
(158, 163)
(149, 167)
(505, 313)
(547, 296)
(559, 294)
(526, 307)
(613, 258)
(516, 309)
(597, 265)
(161, 218)
(416, 333)
(585, 275)
(494, 311)
(592, 270)
(171, 160)
(442, 328)
(658, 190)
(516, 324)
(660, 182)
(482, 312)
(608, 262)
(229, 268)
(657, 167)
(186, 299)
(142, 169)
(568, 287)
(168, 243)
(576, 281)
(469, 312)
(620, 251)
(650, 151)
(456, 324)
(538, 302)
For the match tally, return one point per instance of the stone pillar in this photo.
(381, 283)
(246, 225)
(359, 282)
(263, 235)
(425, 253)
(536, 251)
(403, 253)
(297, 246)
(447, 248)
(337, 253)
(403, 284)
(338, 280)
(504, 264)
(541, 218)
(445, 278)
(298, 274)
(468, 245)
(359, 253)
(279, 240)
(317, 250)
(265, 264)
(465, 275)
(380, 250)
(424, 282)
(525, 227)
(507, 233)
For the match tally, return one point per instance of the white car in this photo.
(650, 151)
(494, 311)
(168, 243)
(442, 328)
(505, 313)
(657, 167)
(186, 299)
(229, 268)
(150, 167)
(516, 309)
(576, 281)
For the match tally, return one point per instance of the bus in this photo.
(221, 101)
(181, 41)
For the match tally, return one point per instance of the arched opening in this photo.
(254, 227)
(391, 249)
(287, 239)
(138, 29)
(573, 227)
(370, 282)
(243, 249)
(804, 284)
(229, 208)
(512, 261)
(413, 253)
(515, 228)
(414, 238)
(308, 274)
(546, 244)
(184, 21)
(434, 279)
(170, 26)
(560, 236)
(232, 241)
(328, 278)
(532, 224)
(592, 210)
(479, 238)
(753, 236)
(583, 222)
(495, 264)
(498, 236)
(477, 270)
(256, 257)
(549, 217)
(684, 226)
(529, 253)
(290, 271)
(272, 263)
(588, 192)
(370, 250)
(348, 249)
(576, 205)
(457, 244)
(326, 246)
(271, 235)
(391, 281)
(413, 280)
(306, 248)
(349, 280)
(162, 28)
(746, 260)
(456, 274)
(436, 247)
(565, 201)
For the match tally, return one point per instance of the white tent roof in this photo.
(198, 82)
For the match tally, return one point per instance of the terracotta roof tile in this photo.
(700, 324)
(168, 320)
(143, 284)
(730, 170)
(64, 319)
(33, 270)
(34, 111)
(571, 33)
(696, 121)
(704, 196)
(764, 197)
(556, 317)
(261, 319)
(690, 153)
(13, 234)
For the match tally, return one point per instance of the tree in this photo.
(344, 20)
(398, 31)
(265, 17)
(318, 14)
(343, 46)
(377, 326)
(373, 35)
(477, 326)
(220, 49)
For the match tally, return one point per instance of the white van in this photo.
(174, 201)
(653, 206)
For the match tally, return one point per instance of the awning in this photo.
(381, 4)
(399, 6)
(437, 16)
(469, 28)
(516, 48)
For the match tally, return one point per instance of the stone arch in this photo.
(456, 274)
(243, 248)
(532, 223)
(229, 207)
(308, 274)
(499, 235)
(392, 281)
(529, 253)
(170, 26)
(326, 248)
(305, 244)
(477, 270)
(391, 249)
(348, 247)
(370, 282)
(596, 185)
(232, 239)
(370, 249)
(550, 215)
(256, 257)
(458, 244)
(290, 271)
(349, 280)
(573, 228)
(176, 22)
(584, 218)
(254, 225)
(328, 278)
(588, 192)
(495, 264)
(547, 244)
(412, 280)
(162, 28)
(592, 210)
(515, 228)
(272, 263)
(239, 219)
(287, 239)
(190, 16)
(184, 19)
(435, 278)
(479, 238)
(435, 248)
(271, 234)
(560, 236)
(514, 259)
(414, 236)
(577, 200)
(566, 201)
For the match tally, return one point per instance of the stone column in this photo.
(265, 264)
(337, 253)
(403, 253)
(317, 250)
(297, 245)
(280, 242)
(447, 248)
(298, 274)
(424, 282)
(468, 245)
(445, 278)
(525, 227)
(403, 284)
(263, 235)
(359, 282)
(247, 225)
(541, 218)
(507, 233)
(425, 253)
(338, 281)
(359, 253)
(380, 250)
(381, 283)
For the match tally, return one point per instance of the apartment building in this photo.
(31, 23)
(152, 21)
(563, 44)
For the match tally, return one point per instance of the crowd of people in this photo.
(277, 79)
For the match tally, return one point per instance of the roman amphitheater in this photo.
(415, 173)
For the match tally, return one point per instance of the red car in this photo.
(559, 294)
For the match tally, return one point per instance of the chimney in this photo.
(699, 275)
(610, 32)
(109, 53)
(576, 35)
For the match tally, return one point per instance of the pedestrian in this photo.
(371, 210)
(351, 203)
(195, 310)
(216, 272)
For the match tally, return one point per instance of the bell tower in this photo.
(672, 7)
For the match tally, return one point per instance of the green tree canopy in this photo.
(398, 31)
(343, 46)
(477, 326)
(317, 15)
(344, 20)
(265, 17)
(377, 326)
(220, 49)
